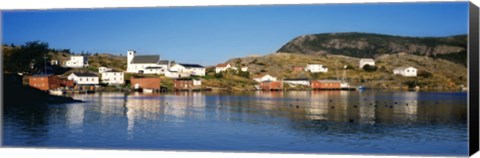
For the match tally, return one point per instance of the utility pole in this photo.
(45, 60)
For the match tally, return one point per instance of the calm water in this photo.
(370, 122)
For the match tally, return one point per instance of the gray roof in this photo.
(403, 68)
(191, 65)
(113, 71)
(330, 81)
(145, 59)
(163, 62)
(154, 67)
(42, 75)
(85, 74)
(296, 79)
(367, 60)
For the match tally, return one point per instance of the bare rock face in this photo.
(373, 45)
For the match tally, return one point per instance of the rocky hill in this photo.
(370, 45)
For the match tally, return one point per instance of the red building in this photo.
(187, 84)
(145, 83)
(44, 82)
(271, 86)
(325, 84)
(64, 82)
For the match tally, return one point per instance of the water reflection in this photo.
(74, 115)
(175, 107)
(352, 107)
(310, 120)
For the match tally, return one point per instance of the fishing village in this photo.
(59, 71)
(147, 72)
(362, 79)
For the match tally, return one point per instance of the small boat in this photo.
(147, 91)
(361, 88)
(257, 87)
(55, 92)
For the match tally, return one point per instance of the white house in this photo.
(192, 69)
(344, 85)
(262, 78)
(366, 61)
(83, 78)
(315, 68)
(223, 67)
(77, 61)
(176, 74)
(53, 62)
(405, 71)
(244, 69)
(111, 76)
(146, 64)
(297, 81)
(102, 69)
(197, 82)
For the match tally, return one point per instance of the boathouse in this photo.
(271, 86)
(187, 84)
(326, 84)
(297, 81)
(151, 83)
(64, 82)
(44, 82)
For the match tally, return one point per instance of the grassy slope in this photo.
(112, 61)
(445, 74)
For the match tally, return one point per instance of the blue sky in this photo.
(211, 35)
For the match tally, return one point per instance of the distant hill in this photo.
(360, 45)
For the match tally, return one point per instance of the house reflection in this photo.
(75, 114)
(352, 107)
(112, 103)
(318, 109)
(405, 106)
(337, 105)
(364, 108)
(142, 106)
(169, 107)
